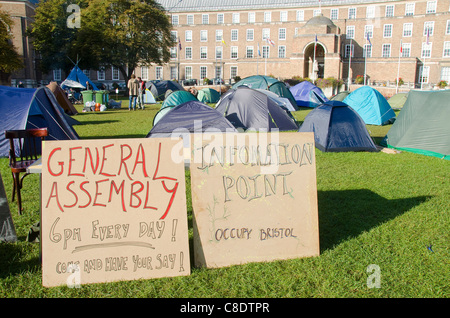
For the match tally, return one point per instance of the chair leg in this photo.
(16, 188)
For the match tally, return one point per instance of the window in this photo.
(445, 74)
(203, 72)
(424, 74)
(235, 17)
(370, 12)
(368, 31)
(219, 35)
(174, 20)
(409, 8)
(251, 17)
(188, 72)
(101, 75)
(203, 35)
(174, 36)
(426, 49)
(188, 53)
(389, 11)
(283, 16)
(265, 34)
(300, 15)
(188, 35)
(249, 53)
(387, 31)
(386, 50)
(265, 51)
(233, 71)
(429, 25)
(347, 50)
(406, 49)
(158, 72)
(234, 35)
(250, 34)
(352, 13)
(218, 72)
(267, 17)
(234, 52)
(281, 51)
(282, 34)
(446, 52)
(115, 73)
(407, 29)
(431, 6)
(190, 19)
(317, 12)
(203, 52)
(173, 72)
(447, 28)
(220, 18)
(218, 52)
(173, 52)
(350, 31)
(334, 15)
(57, 75)
(367, 50)
(205, 18)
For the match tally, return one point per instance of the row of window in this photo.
(428, 30)
(263, 52)
(249, 35)
(101, 74)
(371, 12)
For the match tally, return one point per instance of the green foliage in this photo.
(374, 208)
(359, 79)
(442, 84)
(9, 58)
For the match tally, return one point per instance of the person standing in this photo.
(141, 93)
(133, 91)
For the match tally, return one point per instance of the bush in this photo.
(359, 79)
(400, 81)
(442, 84)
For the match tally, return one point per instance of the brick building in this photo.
(246, 37)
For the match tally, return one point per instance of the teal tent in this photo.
(176, 98)
(398, 100)
(208, 95)
(423, 125)
(373, 108)
(268, 83)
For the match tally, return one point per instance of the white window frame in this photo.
(159, 75)
(386, 50)
(234, 35)
(205, 18)
(188, 52)
(236, 18)
(350, 31)
(389, 11)
(431, 7)
(281, 51)
(251, 17)
(190, 19)
(370, 12)
(368, 29)
(203, 72)
(446, 49)
(428, 25)
(188, 72)
(267, 16)
(249, 52)
(426, 50)
(387, 30)
(220, 18)
(407, 30)
(175, 19)
(57, 74)
(203, 52)
(424, 73)
(347, 50)
(115, 74)
(188, 36)
(334, 14)
(203, 35)
(406, 49)
(410, 8)
(352, 13)
(300, 15)
(367, 49)
(250, 34)
(283, 16)
(282, 34)
(234, 52)
(219, 35)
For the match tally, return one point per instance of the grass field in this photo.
(374, 209)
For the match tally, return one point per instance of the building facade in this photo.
(381, 40)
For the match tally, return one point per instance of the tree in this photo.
(10, 60)
(121, 33)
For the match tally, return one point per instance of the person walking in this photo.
(141, 93)
(133, 91)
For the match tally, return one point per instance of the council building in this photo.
(345, 39)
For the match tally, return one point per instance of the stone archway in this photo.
(308, 68)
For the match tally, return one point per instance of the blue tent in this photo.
(337, 128)
(161, 89)
(27, 108)
(250, 109)
(76, 75)
(177, 97)
(307, 94)
(373, 108)
(192, 117)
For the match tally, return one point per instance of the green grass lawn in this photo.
(374, 209)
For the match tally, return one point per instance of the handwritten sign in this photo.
(112, 210)
(254, 197)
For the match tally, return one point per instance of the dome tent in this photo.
(373, 108)
(250, 109)
(176, 98)
(307, 94)
(268, 83)
(208, 95)
(161, 89)
(337, 128)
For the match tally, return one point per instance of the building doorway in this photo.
(310, 69)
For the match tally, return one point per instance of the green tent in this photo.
(208, 95)
(268, 83)
(340, 96)
(422, 125)
(176, 98)
(398, 100)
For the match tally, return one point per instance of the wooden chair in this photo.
(29, 141)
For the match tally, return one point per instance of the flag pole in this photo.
(350, 64)
(365, 61)
(398, 69)
(314, 61)
(257, 61)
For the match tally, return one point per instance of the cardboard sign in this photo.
(254, 197)
(112, 210)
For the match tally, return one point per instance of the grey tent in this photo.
(337, 128)
(162, 89)
(423, 124)
(249, 109)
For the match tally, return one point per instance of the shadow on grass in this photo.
(347, 213)
(9, 256)
(97, 122)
